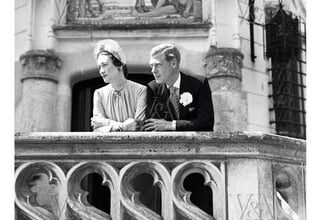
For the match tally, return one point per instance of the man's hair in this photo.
(117, 63)
(170, 52)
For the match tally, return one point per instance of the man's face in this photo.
(107, 70)
(161, 69)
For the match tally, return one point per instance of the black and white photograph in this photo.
(160, 109)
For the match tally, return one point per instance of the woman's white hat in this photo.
(111, 47)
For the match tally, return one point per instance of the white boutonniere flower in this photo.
(185, 98)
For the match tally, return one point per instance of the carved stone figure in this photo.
(84, 11)
(141, 7)
(87, 5)
(164, 7)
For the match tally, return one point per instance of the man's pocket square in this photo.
(192, 109)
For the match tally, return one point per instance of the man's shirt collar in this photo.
(176, 84)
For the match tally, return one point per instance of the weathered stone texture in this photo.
(39, 87)
(223, 68)
(243, 172)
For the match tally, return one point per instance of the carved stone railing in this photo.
(241, 176)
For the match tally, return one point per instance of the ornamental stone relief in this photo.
(41, 64)
(77, 197)
(40, 190)
(223, 62)
(107, 11)
(212, 179)
(289, 191)
(43, 191)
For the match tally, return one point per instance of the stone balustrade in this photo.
(189, 175)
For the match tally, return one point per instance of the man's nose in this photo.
(101, 70)
(153, 69)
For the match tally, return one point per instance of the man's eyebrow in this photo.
(154, 63)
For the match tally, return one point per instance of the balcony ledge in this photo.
(159, 145)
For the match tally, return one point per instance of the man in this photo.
(176, 101)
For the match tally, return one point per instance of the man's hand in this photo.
(129, 125)
(157, 125)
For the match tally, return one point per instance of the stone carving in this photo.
(77, 201)
(43, 192)
(289, 192)
(213, 178)
(84, 11)
(40, 64)
(169, 158)
(223, 62)
(39, 190)
(129, 197)
(250, 206)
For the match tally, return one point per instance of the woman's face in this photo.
(107, 70)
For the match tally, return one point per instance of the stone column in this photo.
(39, 85)
(223, 69)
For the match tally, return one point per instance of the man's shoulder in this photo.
(193, 78)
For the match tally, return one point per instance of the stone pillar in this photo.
(223, 70)
(39, 85)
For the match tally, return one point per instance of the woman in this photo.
(120, 105)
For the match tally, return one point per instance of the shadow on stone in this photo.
(201, 195)
(150, 194)
(99, 195)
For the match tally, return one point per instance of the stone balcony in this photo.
(188, 175)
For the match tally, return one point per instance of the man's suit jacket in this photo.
(196, 116)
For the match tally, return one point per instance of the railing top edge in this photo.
(139, 137)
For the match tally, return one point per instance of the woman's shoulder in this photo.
(103, 89)
(136, 86)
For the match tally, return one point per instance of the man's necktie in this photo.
(174, 99)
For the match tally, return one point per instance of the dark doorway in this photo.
(82, 95)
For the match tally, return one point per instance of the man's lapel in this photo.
(163, 91)
(164, 94)
(183, 88)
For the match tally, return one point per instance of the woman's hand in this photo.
(96, 123)
(129, 125)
